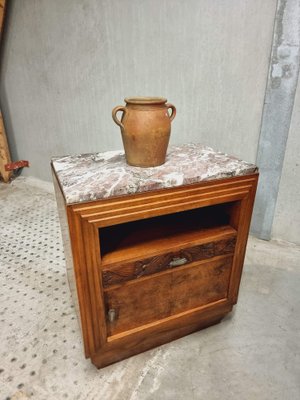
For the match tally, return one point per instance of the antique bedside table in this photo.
(152, 254)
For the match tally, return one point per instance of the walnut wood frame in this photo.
(80, 228)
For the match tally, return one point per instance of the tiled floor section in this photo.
(252, 354)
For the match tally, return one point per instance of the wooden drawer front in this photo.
(132, 270)
(140, 302)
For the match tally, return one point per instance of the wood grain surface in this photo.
(169, 260)
(165, 294)
(156, 304)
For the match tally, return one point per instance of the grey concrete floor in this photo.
(253, 354)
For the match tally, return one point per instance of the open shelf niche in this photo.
(139, 238)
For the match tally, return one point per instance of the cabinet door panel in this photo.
(153, 298)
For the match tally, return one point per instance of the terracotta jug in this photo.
(145, 128)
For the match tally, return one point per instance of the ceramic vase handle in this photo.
(114, 115)
(172, 116)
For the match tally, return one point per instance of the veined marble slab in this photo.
(89, 177)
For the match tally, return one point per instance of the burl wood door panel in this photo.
(168, 293)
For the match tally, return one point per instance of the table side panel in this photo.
(74, 274)
(242, 218)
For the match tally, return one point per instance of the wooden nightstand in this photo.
(152, 254)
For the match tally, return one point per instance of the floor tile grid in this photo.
(37, 318)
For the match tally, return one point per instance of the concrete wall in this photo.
(286, 223)
(277, 113)
(66, 64)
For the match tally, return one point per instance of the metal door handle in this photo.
(112, 315)
(176, 262)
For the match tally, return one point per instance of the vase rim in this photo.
(145, 100)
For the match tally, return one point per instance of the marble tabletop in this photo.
(89, 177)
